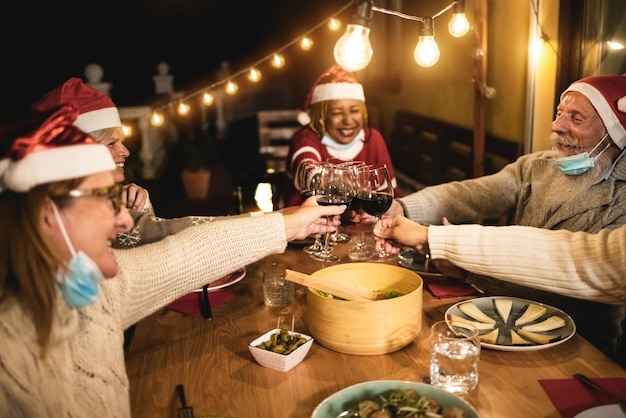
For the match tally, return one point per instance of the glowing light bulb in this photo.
(353, 51)
(157, 118)
(306, 43)
(231, 87)
(458, 25)
(334, 24)
(208, 99)
(254, 75)
(426, 51)
(278, 61)
(183, 108)
(127, 129)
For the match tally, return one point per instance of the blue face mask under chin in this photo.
(80, 281)
(580, 163)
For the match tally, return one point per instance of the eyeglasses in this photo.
(113, 193)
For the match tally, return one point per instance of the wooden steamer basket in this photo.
(371, 327)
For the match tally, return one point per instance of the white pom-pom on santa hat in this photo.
(621, 104)
(303, 118)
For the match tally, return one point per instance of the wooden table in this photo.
(211, 358)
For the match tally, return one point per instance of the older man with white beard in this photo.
(579, 185)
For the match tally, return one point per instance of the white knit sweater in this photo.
(83, 374)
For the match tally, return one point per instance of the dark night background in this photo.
(44, 43)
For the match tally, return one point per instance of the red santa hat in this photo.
(96, 109)
(52, 151)
(607, 93)
(334, 84)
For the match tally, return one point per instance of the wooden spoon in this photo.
(354, 293)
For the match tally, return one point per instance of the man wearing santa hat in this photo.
(579, 185)
(335, 120)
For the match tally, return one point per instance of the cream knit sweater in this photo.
(591, 267)
(83, 374)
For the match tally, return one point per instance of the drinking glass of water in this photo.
(455, 350)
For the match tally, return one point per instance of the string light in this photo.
(231, 87)
(278, 61)
(208, 99)
(458, 25)
(254, 75)
(306, 43)
(353, 50)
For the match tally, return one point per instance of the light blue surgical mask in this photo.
(80, 281)
(580, 163)
(329, 142)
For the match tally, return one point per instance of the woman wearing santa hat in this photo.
(66, 296)
(99, 117)
(335, 128)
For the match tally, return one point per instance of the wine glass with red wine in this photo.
(375, 196)
(307, 177)
(336, 186)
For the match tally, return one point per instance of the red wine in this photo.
(376, 204)
(328, 200)
(306, 194)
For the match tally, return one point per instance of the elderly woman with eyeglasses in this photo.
(66, 296)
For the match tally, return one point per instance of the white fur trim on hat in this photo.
(95, 120)
(337, 91)
(54, 164)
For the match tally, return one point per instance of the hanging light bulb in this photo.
(458, 25)
(334, 24)
(208, 99)
(231, 87)
(278, 61)
(353, 51)
(426, 52)
(127, 129)
(306, 43)
(254, 75)
(157, 118)
(183, 109)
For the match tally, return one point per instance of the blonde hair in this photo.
(28, 266)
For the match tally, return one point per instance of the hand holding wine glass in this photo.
(307, 177)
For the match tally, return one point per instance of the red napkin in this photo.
(189, 304)
(571, 397)
(452, 290)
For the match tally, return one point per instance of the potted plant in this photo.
(195, 152)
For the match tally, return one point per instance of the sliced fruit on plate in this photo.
(471, 310)
(539, 338)
(548, 324)
(533, 312)
(459, 321)
(517, 340)
(490, 337)
(503, 307)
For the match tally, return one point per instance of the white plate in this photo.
(349, 397)
(604, 411)
(227, 280)
(486, 304)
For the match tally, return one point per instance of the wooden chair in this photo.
(276, 127)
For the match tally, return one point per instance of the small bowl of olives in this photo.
(280, 349)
